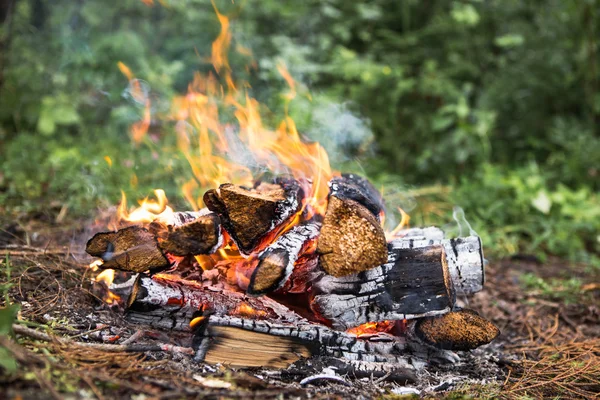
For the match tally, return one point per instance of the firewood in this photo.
(463, 255)
(351, 238)
(276, 263)
(249, 215)
(172, 305)
(236, 347)
(413, 283)
(201, 235)
(132, 249)
(354, 187)
(457, 330)
(300, 281)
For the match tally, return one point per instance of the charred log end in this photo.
(351, 239)
(419, 281)
(359, 189)
(457, 330)
(270, 273)
(249, 215)
(201, 236)
(132, 249)
(242, 348)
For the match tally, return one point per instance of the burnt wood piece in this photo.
(201, 235)
(164, 295)
(457, 330)
(276, 263)
(413, 283)
(301, 279)
(463, 255)
(359, 189)
(351, 239)
(132, 249)
(248, 215)
(173, 305)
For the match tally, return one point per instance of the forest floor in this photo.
(549, 346)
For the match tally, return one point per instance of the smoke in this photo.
(462, 227)
(345, 136)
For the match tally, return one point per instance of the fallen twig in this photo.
(114, 348)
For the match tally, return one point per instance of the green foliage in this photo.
(8, 315)
(563, 290)
(521, 210)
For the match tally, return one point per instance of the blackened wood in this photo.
(171, 305)
(276, 263)
(249, 215)
(301, 279)
(199, 236)
(132, 249)
(359, 189)
(413, 283)
(457, 330)
(463, 255)
(351, 239)
(165, 296)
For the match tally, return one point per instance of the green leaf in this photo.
(65, 114)
(8, 316)
(441, 123)
(465, 14)
(46, 125)
(542, 202)
(7, 361)
(510, 40)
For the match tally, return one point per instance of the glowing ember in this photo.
(371, 328)
(245, 310)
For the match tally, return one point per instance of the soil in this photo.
(549, 343)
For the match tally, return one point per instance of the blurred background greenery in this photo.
(490, 105)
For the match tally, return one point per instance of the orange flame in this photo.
(148, 211)
(404, 223)
(140, 128)
(106, 278)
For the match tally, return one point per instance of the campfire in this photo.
(283, 257)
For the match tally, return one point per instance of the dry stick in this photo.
(114, 348)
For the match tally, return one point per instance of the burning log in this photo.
(457, 330)
(463, 255)
(413, 283)
(132, 249)
(250, 215)
(354, 187)
(351, 238)
(276, 263)
(189, 233)
(137, 249)
(203, 312)
(172, 303)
